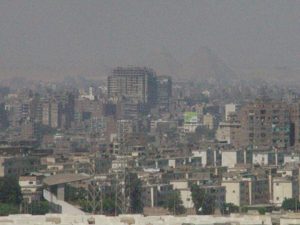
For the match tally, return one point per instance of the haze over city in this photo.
(149, 112)
(54, 39)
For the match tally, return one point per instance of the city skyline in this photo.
(150, 112)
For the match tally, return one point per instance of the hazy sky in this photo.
(64, 37)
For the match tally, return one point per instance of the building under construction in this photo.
(136, 84)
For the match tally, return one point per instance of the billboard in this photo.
(190, 117)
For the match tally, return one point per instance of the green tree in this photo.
(204, 203)
(174, 203)
(39, 207)
(73, 194)
(228, 208)
(109, 205)
(197, 197)
(10, 190)
(8, 209)
(85, 205)
(80, 197)
(133, 192)
(290, 204)
(262, 210)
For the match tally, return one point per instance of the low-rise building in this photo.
(18, 165)
(232, 157)
(31, 188)
(283, 188)
(248, 190)
(229, 132)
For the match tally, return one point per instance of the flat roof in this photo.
(64, 178)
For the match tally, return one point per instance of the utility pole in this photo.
(116, 198)
(120, 193)
(95, 189)
(174, 199)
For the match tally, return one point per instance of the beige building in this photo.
(185, 193)
(246, 190)
(55, 114)
(46, 113)
(232, 157)
(229, 132)
(237, 191)
(208, 121)
(284, 187)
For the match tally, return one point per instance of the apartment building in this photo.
(266, 123)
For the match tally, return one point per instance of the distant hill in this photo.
(162, 61)
(202, 65)
(205, 65)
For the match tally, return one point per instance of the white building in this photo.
(31, 187)
(90, 95)
(229, 108)
(291, 159)
(263, 158)
(209, 157)
(232, 157)
(267, 158)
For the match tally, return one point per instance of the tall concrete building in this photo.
(137, 84)
(51, 113)
(36, 109)
(124, 128)
(29, 130)
(295, 123)
(55, 114)
(68, 105)
(266, 124)
(164, 92)
(46, 113)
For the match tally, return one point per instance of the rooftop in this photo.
(64, 178)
